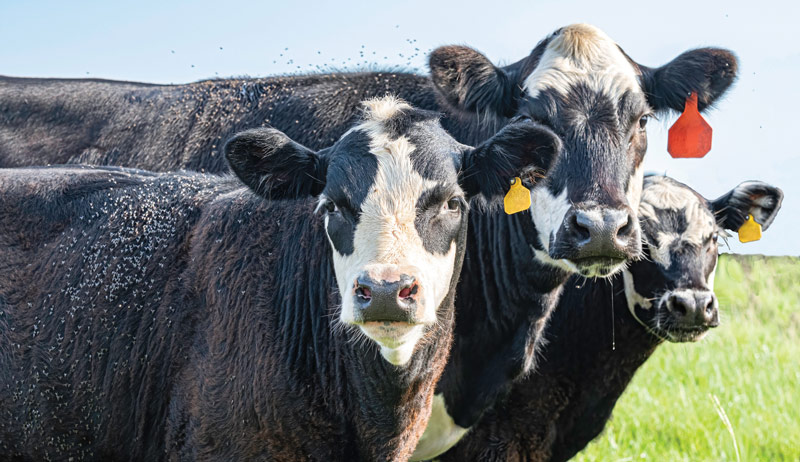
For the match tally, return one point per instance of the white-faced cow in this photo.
(149, 316)
(603, 331)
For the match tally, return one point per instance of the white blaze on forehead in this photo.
(386, 235)
(660, 193)
(583, 53)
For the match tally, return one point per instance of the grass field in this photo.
(746, 372)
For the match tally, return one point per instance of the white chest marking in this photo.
(441, 433)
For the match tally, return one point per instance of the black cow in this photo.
(146, 316)
(602, 332)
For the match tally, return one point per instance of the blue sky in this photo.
(177, 42)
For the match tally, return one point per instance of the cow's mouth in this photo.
(397, 340)
(598, 267)
(685, 335)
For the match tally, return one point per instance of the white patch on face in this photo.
(440, 434)
(634, 298)
(659, 251)
(661, 193)
(634, 192)
(548, 212)
(583, 53)
(386, 238)
(711, 276)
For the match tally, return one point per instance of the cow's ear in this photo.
(755, 198)
(469, 83)
(520, 147)
(274, 166)
(707, 71)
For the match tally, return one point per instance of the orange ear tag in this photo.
(690, 135)
(750, 231)
(517, 199)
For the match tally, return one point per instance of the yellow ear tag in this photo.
(750, 231)
(517, 199)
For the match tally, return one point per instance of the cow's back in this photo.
(93, 322)
(172, 127)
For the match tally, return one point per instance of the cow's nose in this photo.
(598, 232)
(694, 308)
(379, 300)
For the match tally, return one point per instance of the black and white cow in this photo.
(148, 316)
(603, 331)
(577, 82)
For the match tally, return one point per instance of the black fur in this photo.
(707, 71)
(272, 151)
(151, 316)
(749, 198)
(175, 315)
(593, 348)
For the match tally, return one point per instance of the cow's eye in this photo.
(453, 205)
(643, 122)
(331, 207)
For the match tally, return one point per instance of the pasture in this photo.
(738, 388)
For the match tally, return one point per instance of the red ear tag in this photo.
(690, 135)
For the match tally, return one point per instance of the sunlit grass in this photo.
(751, 364)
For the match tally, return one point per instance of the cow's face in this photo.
(393, 194)
(581, 84)
(671, 291)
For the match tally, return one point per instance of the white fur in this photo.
(440, 434)
(711, 276)
(583, 53)
(634, 192)
(660, 193)
(386, 235)
(634, 298)
(548, 212)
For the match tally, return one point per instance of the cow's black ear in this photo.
(749, 198)
(707, 71)
(469, 83)
(520, 147)
(274, 166)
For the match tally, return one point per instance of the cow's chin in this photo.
(598, 267)
(397, 340)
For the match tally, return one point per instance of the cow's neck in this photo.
(594, 349)
(394, 402)
(591, 353)
(503, 300)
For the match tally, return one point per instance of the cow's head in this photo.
(393, 192)
(582, 85)
(671, 291)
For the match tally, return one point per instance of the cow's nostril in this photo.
(408, 292)
(627, 228)
(364, 293)
(581, 226)
(679, 306)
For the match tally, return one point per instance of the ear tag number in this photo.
(750, 231)
(690, 135)
(517, 199)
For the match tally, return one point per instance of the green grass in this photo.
(750, 364)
